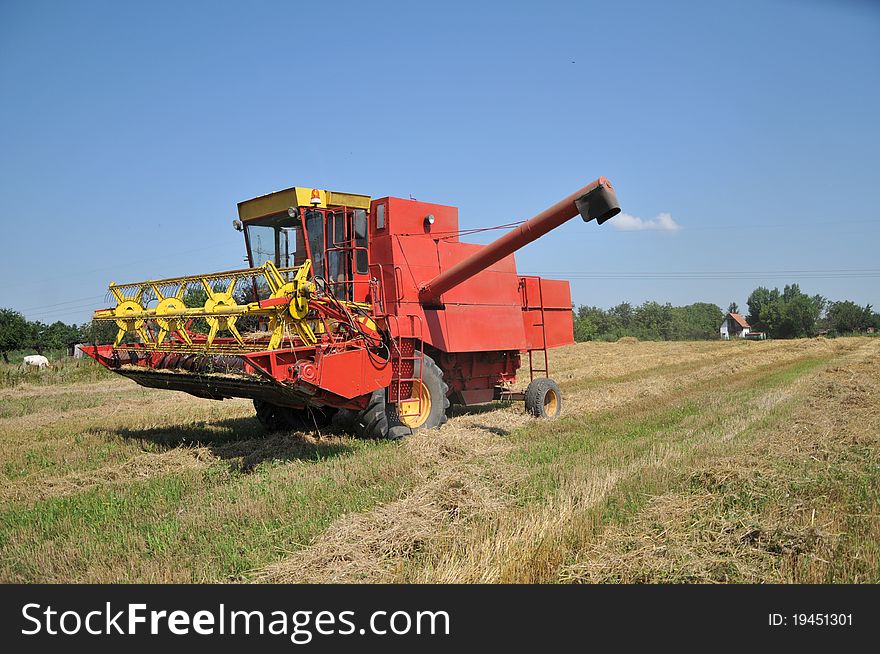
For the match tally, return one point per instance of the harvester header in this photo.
(367, 312)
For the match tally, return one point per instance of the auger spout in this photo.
(596, 200)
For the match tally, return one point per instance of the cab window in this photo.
(360, 241)
(315, 230)
(278, 239)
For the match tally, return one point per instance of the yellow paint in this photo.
(221, 310)
(298, 196)
(413, 413)
(350, 200)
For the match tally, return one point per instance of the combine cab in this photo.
(369, 313)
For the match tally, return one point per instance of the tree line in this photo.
(794, 314)
(789, 313)
(650, 321)
(17, 334)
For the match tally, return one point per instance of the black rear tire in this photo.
(543, 398)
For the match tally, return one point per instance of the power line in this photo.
(826, 224)
(712, 274)
(91, 298)
(57, 312)
(68, 306)
(27, 283)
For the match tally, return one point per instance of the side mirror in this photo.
(236, 225)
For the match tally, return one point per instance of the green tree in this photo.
(822, 305)
(59, 335)
(799, 316)
(649, 321)
(36, 336)
(847, 316)
(733, 307)
(771, 316)
(652, 321)
(99, 332)
(585, 328)
(15, 332)
(763, 309)
(698, 321)
(621, 317)
(790, 314)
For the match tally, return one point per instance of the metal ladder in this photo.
(546, 369)
(405, 360)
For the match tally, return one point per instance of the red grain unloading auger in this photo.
(371, 313)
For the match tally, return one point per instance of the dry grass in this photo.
(63, 371)
(460, 472)
(740, 461)
(797, 502)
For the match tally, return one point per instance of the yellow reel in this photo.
(173, 306)
(217, 300)
(127, 308)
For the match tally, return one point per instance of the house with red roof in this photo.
(734, 326)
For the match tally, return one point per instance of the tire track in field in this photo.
(466, 482)
(529, 544)
(748, 513)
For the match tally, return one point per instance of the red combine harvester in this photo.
(369, 313)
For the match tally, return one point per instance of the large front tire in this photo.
(372, 422)
(381, 420)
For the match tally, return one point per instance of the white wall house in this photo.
(734, 326)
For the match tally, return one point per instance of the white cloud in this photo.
(662, 223)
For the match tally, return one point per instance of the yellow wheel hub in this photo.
(299, 307)
(125, 309)
(414, 413)
(215, 302)
(171, 306)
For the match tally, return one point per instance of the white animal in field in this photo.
(36, 360)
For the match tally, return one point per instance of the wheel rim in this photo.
(414, 413)
(551, 403)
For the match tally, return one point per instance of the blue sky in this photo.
(128, 132)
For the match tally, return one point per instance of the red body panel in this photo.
(488, 312)
(351, 373)
(484, 322)
(547, 312)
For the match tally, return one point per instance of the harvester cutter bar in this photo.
(215, 386)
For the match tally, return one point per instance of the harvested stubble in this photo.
(739, 461)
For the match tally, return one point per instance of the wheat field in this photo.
(704, 462)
